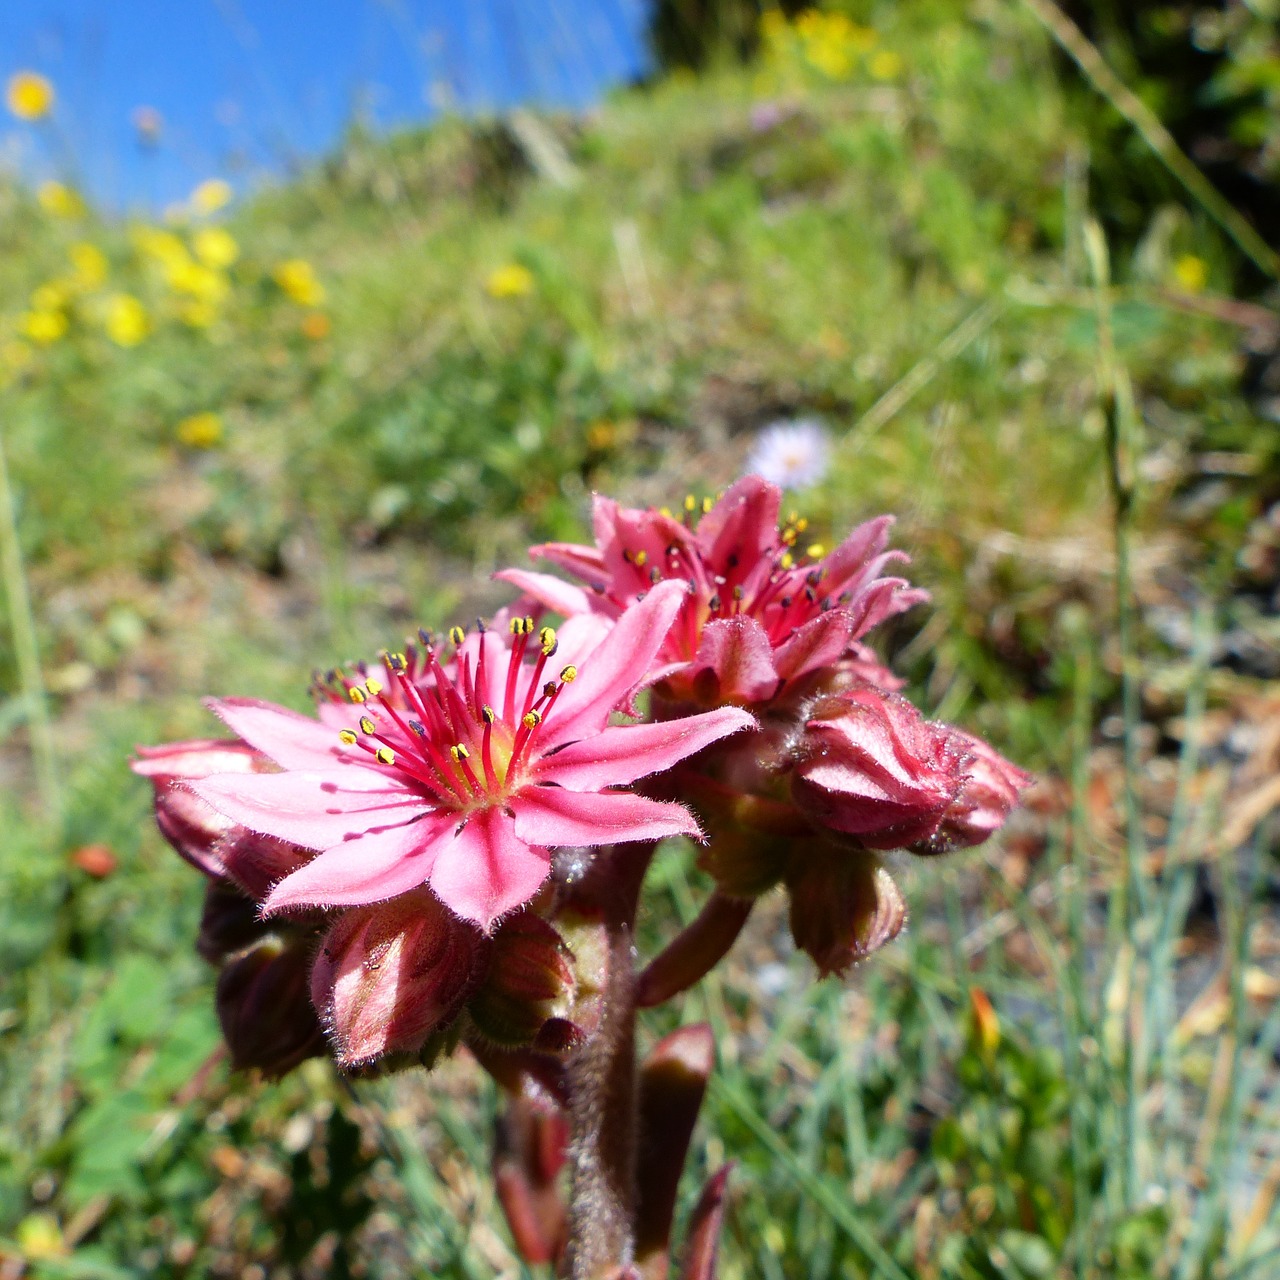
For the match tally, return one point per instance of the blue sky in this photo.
(246, 88)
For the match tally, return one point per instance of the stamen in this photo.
(384, 755)
(533, 718)
(456, 636)
(356, 694)
(488, 714)
(367, 725)
(374, 687)
(569, 674)
(347, 738)
(816, 551)
(547, 637)
(459, 751)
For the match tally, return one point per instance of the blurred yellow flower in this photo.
(211, 195)
(215, 247)
(163, 246)
(200, 431)
(89, 264)
(125, 320)
(50, 296)
(59, 199)
(297, 278)
(196, 280)
(1191, 273)
(29, 95)
(199, 315)
(315, 325)
(40, 1238)
(886, 65)
(510, 281)
(44, 327)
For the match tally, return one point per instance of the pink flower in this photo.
(987, 796)
(463, 777)
(763, 611)
(871, 766)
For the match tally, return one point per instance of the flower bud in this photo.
(872, 767)
(267, 1019)
(844, 906)
(229, 923)
(988, 793)
(390, 975)
(530, 981)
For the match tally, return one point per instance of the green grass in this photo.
(903, 257)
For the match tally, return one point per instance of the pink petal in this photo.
(583, 562)
(369, 868)
(742, 524)
(867, 540)
(563, 597)
(488, 869)
(821, 642)
(553, 816)
(197, 758)
(314, 810)
(293, 741)
(623, 753)
(738, 651)
(615, 667)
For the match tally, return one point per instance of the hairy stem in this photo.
(603, 1105)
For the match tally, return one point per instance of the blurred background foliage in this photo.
(279, 429)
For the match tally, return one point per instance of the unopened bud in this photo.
(390, 975)
(530, 980)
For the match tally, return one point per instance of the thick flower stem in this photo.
(603, 1105)
(695, 951)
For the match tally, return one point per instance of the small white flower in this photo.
(791, 454)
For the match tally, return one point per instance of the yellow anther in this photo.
(384, 755)
(801, 525)
(569, 674)
(347, 738)
(690, 502)
(547, 637)
(456, 636)
(460, 752)
(356, 694)
(488, 714)
(789, 538)
(665, 511)
(641, 559)
(374, 687)
(528, 625)
(707, 504)
(366, 725)
(787, 561)
(397, 661)
(516, 626)
(816, 551)
(531, 719)
(548, 689)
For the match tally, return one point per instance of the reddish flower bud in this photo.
(390, 975)
(844, 906)
(213, 844)
(872, 767)
(530, 980)
(988, 794)
(229, 923)
(267, 1020)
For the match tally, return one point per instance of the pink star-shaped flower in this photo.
(763, 609)
(464, 776)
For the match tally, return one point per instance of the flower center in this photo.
(435, 727)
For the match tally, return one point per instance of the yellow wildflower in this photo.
(1191, 273)
(163, 246)
(297, 278)
(196, 280)
(44, 327)
(40, 1238)
(29, 95)
(59, 199)
(200, 431)
(51, 296)
(886, 65)
(510, 281)
(199, 315)
(211, 195)
(125, 320)
(215, 247)
(89, 264)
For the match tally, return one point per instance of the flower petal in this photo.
(369, 868)
(623, 753)
(554, 593)
(615, 666)
(821, 642)
(293, 741)
(581, 561)
(554, 816)
(488, 869)
(743, 524)
(738, 651)
(314, 810)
